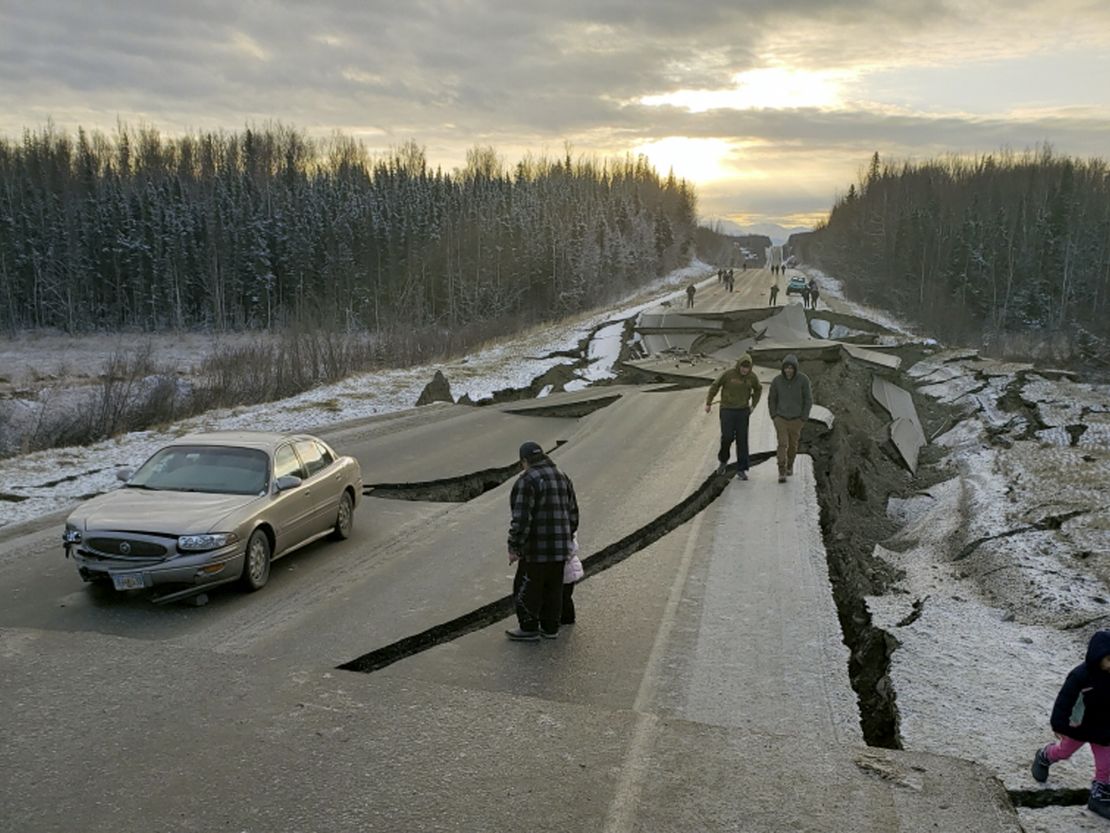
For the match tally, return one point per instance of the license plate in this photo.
(128, 582)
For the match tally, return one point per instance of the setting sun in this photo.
(695, 160)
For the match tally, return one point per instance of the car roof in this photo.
(267, 440)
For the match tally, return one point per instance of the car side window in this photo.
(310, 455)
(325, 454)
(286, 463)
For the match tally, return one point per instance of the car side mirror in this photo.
(124, 474)
(289, 481)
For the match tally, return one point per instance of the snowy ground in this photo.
(36, 484)
(1005, 571)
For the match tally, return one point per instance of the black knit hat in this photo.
(531, 452)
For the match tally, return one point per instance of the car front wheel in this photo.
(256, 562)
(345, 519)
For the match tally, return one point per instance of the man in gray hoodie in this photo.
(789, 402)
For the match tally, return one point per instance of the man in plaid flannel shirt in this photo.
(544, 520)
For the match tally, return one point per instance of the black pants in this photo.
(734, 428)
(568, 605)
(538, 595)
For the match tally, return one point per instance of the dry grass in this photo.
(137, 388)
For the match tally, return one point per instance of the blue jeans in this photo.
(734, 428)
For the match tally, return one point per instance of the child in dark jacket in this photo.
(1081, 715)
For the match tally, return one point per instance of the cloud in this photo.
(523, 75)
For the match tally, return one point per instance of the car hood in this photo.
(171, 513)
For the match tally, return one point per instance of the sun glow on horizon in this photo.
(768, 88)
(695, 160)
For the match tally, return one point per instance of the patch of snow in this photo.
(905, 510)
(604, 351)
(966, 434)
(1054, 436)
(839, 331)
(953, 390)
(820, 327)
(1097, 435)
(974, 685)
(1003, 608)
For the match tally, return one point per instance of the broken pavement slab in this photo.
(788, 326)
(654, 321)
(659, 343)
(905, 428)
(869, 356)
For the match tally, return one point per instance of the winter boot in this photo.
(1099, 802)
(1041, 763)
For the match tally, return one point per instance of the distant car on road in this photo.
(213, 508)
(796, 286)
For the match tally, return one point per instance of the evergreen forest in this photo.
(1007, 250)
(266, 229)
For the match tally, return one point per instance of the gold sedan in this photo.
(214, 508)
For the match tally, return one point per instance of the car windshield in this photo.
(205, 468)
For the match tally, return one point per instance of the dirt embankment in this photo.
(857, 470)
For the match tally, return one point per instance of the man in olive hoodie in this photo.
(789, 402)
(740, 391)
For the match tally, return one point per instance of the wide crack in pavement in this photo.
(709, 490)
(458, 489)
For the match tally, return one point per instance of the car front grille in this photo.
(125, 547)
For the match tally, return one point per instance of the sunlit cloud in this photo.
(359, 76)
(247, 45)
(762, 89)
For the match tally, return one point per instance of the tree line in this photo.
(978, 248)
(266, 228)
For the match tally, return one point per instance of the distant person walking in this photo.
(691, 290)
(541, 535)
(740, 391)
(774, 295)
(789, 402)
(805, 297)
(731, 280)
(1081, 714)
(814, 294)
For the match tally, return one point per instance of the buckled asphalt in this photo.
(704, 686)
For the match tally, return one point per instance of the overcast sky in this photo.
(770, 107)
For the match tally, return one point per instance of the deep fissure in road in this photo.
(449, 489)
(857, 469)
(708, 491)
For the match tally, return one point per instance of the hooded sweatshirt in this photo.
(738, 390)
(790, 398)
(1082, 708)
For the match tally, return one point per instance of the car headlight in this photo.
(200, 543)
(72, 535)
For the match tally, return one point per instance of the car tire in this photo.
(256, 562)
(344, 519)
